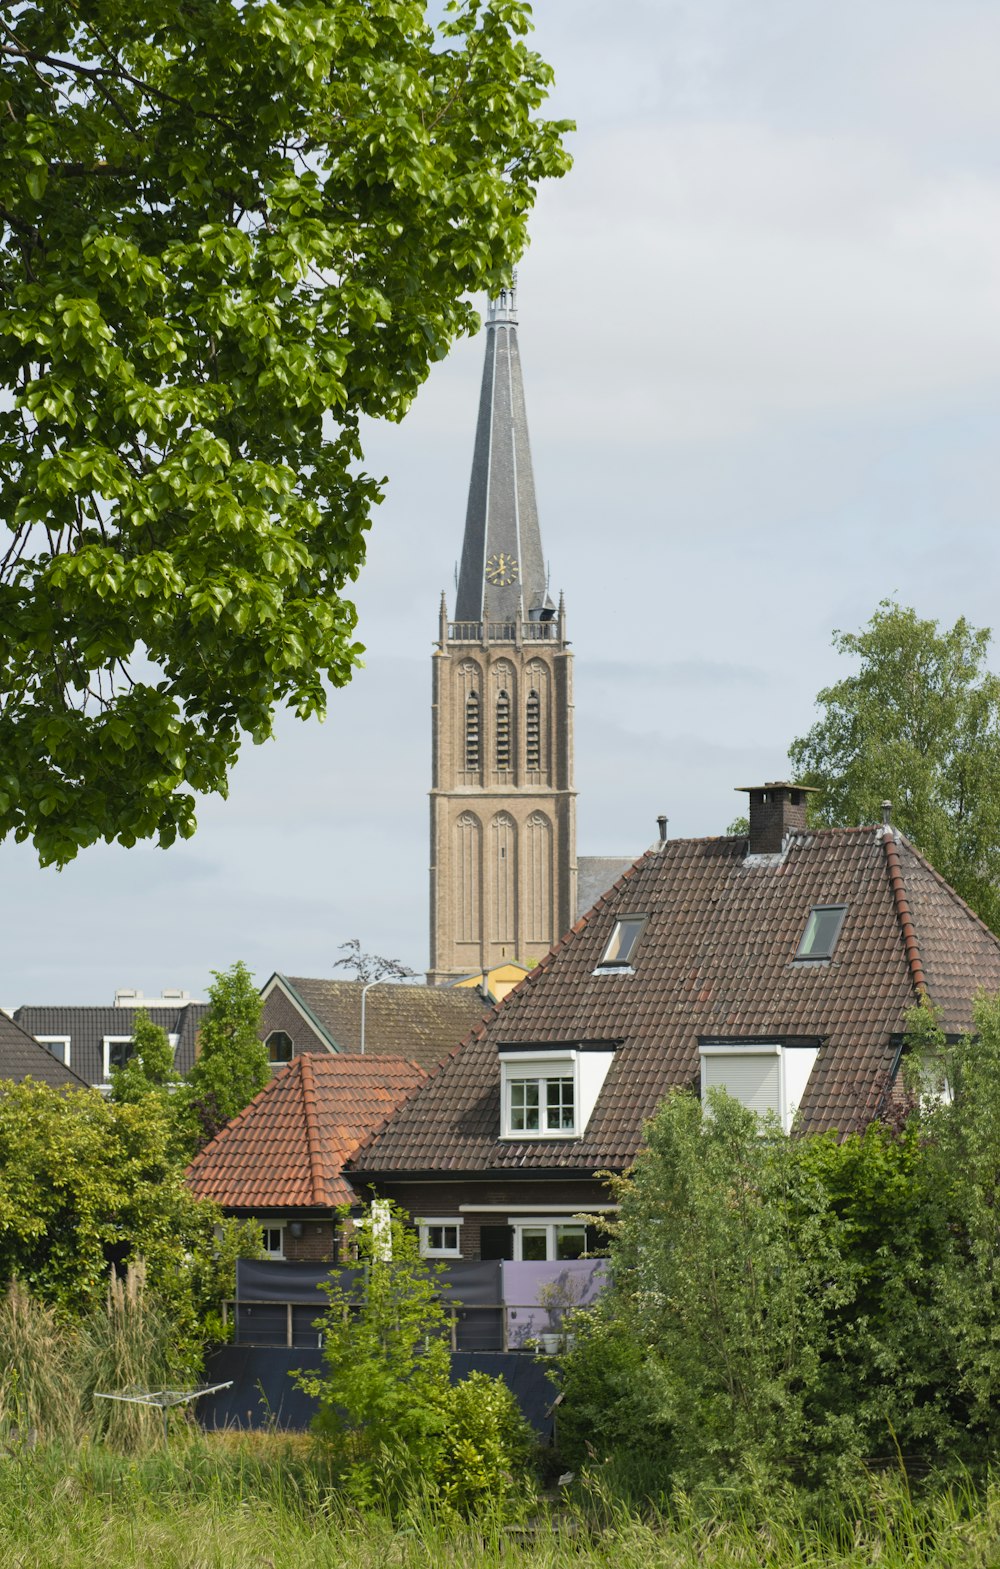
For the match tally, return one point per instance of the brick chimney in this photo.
(776, 809)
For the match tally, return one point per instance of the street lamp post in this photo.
(366, 988)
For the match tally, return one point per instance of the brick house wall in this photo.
(317, 1244)
(443, 1199)
(281, 1014)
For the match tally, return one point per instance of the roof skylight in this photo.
(822, 930)
(624, 938)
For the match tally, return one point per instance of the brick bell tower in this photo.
(503, 807)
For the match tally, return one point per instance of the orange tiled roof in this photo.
(287, 1148)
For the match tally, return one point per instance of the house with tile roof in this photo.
(22, 1057)
(281, 1160)
(381, 1018)
(93, 1040)
(779, 966)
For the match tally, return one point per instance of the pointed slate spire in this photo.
(502, 549)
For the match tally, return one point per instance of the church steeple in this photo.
(502, 561)
(503, 807)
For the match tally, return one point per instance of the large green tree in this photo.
(228, 229)
(86, 1182)
(232, 1062)
(918, 724)
(150, 1066)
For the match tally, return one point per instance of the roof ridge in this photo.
(313, 1018)
(312, 1128)
(903, 915)
(963, 904)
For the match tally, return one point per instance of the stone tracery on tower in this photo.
(503, 806)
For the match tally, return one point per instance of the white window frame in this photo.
(736, 1050)
(425, 1222)
(551, 1224)
(588, 1069)
(109, 1041)
(279, 1227)
(935, 1086)
(520, 1066)
(48, 1041)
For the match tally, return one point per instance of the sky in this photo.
(760, 335)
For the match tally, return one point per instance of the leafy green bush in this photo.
(794, 1309)
(485, 1448)
(389, 1421)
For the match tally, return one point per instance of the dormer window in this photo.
(822, 930)
(117, 1051)
(550, 1092)
(546, 1104)
(624, 939)
(769, 1078)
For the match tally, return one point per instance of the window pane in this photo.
(571, 1241)
(524, 1105)
(559, 1105)
(119, 1053)
(442, 1239)
(822, 931)
(623, 940)
(534, 1242)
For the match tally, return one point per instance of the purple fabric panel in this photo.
(578, 1281)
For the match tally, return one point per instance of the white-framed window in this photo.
(272, 1237)
(550, 1094)
(58, 1045)
(935, 1086)
(546, 1104)
(440, 1237)
(765, 1076)
(117, 1051)
(622, 943)
(279, 1047)
(541, 1238)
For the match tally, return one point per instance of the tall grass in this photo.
(264, 1502)
(127, 1346)
(39, 1395)
(51, 1372)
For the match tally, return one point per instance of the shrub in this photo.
(485, 1448)
(389, 1420)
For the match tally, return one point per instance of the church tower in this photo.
(503, 807)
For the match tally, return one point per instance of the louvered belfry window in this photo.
(503, 730)
(472, 733)
(533, 734)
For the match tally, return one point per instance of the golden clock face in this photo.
(501, 569)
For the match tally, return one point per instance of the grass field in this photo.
(262, 1503)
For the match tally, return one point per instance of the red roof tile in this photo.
(287, 1148)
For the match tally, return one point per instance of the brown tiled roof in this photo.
(288, 1147)
(22, 1057)
(716, 959)
(420, 1023)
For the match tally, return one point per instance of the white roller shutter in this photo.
(752, 1078)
